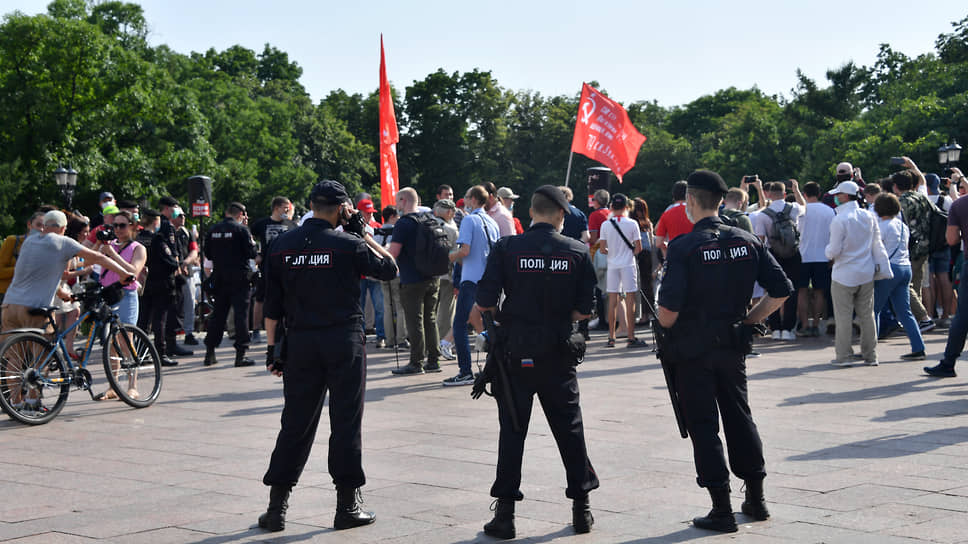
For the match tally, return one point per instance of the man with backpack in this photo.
(478, 233)
(420, 247)
(777, 227)
(916, 210)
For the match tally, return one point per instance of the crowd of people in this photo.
(822, 240)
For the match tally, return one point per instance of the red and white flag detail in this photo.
(603, 132)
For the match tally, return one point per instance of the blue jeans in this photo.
(895, 291)
(959, 324)
(462, 312)
(376, 296)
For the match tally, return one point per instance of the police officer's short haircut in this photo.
(147, 217)
(811, 189)
(707, 200)
(904, 180)
(279, 202)
(388, 212)
(235, 208)
(887, 205)
(679, 190)
(167, 201)
(735, 196)
(543, 205)
(408, 194)
(567, 191)
(478, 193)
(602, 197)
(442, 188)
(871, 190)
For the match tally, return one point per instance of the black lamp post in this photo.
(66, 182)
(949, 154)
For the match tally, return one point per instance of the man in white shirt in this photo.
(814, 280)
(621, 241)
(852, 235)
(783, 320)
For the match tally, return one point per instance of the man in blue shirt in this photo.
(478, 232)
(576, 223)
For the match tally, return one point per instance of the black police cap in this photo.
(329, 192)
(707, 180)
(553, 194)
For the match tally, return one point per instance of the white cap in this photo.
(846, 187)
(506, 192)
(55, 218)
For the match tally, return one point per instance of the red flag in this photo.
(603, 132)
(389, 182)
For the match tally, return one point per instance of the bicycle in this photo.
(34, 368)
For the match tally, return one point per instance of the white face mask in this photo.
(688, 214)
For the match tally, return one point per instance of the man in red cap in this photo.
(366, 206)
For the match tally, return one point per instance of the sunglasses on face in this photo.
(121, 225)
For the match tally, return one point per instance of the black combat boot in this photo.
(210, 357)
(720, 518)
(502, 526)
(581, 515)
(241, 359)
(275, 517)
(348, 511)
(755, 505)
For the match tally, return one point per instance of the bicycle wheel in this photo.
(34, 381)
(132, 366)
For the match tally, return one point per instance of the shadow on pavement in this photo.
(871, 393)
(682, 535)
(889, 446)
(933, 409)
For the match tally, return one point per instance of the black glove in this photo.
(355, 224)
(273, 359)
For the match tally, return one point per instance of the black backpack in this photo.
(938, 220)
(432, 246)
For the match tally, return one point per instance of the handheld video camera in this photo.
(106, 234)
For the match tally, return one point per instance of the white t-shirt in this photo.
(619, 254)
(814, 227)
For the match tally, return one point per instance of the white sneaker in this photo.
(446, 350)
(871, 363)
(788, 335)
(778, 335)
(838, 362)
(593, 323)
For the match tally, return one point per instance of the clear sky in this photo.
(672, 52)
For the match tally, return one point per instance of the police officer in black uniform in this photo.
(229, 245)
(548, 280)
(313, 284)
(704, 296)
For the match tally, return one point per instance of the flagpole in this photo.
(568, 172)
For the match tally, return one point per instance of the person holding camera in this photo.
(708, 282)
(229, 245)
(313, 285)
(548, 280)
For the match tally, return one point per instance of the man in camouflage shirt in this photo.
(916, 211)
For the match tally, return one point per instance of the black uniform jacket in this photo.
(543, 274)
(229, 245)
(313, 276)
(709, 273)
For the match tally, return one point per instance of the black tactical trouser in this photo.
(317, 361)
(711, 384)
(556, 385)
(230, 292)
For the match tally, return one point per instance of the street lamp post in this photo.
(66, 182)
(949, 154)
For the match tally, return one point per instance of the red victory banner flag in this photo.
(389, 182)
(603, 132)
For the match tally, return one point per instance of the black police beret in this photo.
(329, 192)
(707, 180)
(553, 194)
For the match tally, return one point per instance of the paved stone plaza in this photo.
(855, 455)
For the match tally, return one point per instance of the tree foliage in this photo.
(81, 86)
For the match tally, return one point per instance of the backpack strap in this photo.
(622, 234)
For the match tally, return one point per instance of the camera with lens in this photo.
(106, 234)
